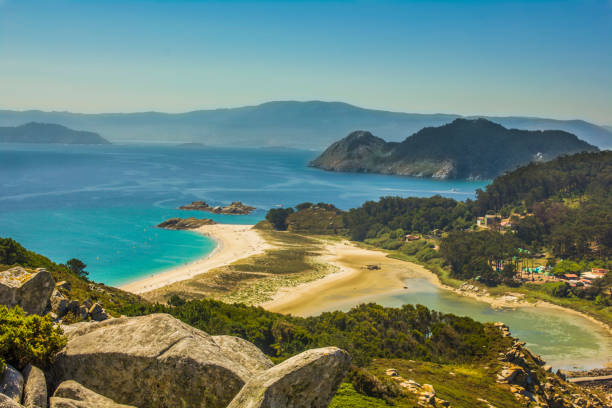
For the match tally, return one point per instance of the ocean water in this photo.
(100, 203)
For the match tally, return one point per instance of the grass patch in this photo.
(460, 385)
(254, 280)
(347, 397)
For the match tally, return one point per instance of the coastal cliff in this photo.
(463, 149)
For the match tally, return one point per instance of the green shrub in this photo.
(368, 384)
(556, 289)
(28, 339)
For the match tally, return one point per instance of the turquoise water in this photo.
(101, 203)
(565, 340)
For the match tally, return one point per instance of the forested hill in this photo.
(563, 204)
(475, 149)
(48, 133)
(573, 176)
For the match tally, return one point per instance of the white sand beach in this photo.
(234, 242)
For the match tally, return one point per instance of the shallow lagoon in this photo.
(564, 339)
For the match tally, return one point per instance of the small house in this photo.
(592, 275)
(410, 237)
(600, 271)
(570, 276)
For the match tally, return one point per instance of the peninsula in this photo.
(35, 132)
(463, 149)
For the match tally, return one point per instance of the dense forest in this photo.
(579, 175)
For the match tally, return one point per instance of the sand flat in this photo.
(353, 282)
(234, 242)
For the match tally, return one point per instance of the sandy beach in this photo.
(234, 242)
(352, 282)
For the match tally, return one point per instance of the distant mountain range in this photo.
(464, 148)
(48, 133)
(312, 125)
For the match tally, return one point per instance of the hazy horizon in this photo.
(469, 115)
(511, 58)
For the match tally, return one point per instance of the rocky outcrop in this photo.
(185, 223)
(71, 394)
(28, 290)
(61, 306)
(244, 352)
(308, 380)
(235, 208)
(156, 361)
(531, 381)
(426, 393)
(35, 389)
(11, 383)
(59, 303)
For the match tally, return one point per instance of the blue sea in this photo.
(101, 203)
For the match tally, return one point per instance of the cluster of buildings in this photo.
(586, 278)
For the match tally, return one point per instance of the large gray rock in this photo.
(6, 402)
(59, 303)
(35, 390)
(308, 380)
(11, 383)
(71, 394)
(156, 361)
(30, 291)
(97, 312)
(244, 352)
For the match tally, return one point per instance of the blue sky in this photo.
(537, 58)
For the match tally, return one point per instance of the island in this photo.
(185, 223)
(35, 132)
(235, 208)
(475, 149)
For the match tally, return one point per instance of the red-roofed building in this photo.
(570, 276)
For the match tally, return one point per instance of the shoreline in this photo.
(286, 300)
(233, 242)
(496, 302)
